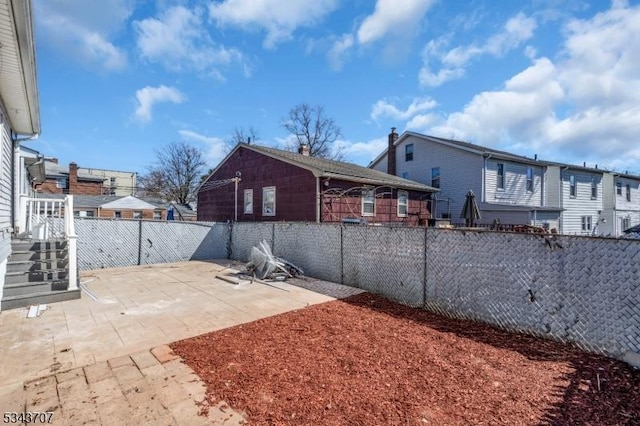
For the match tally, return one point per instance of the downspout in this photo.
(16, 145)
(484, 177)
(318, 200)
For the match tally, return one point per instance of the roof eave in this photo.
(21, 16)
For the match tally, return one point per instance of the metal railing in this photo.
(49, 219)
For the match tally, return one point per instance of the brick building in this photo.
(276, 185)
(85, 181)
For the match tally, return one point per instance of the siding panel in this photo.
(515, 184)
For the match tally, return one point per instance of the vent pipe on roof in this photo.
(304, 149)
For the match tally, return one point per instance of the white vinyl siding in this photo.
(582, 204)
(5, 187)
(460, 171)
(517, 189)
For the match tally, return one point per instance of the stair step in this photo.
(34, 276)
(22, 255)
(35, 245)
(25, 288)
(14, 302)
(36, 265)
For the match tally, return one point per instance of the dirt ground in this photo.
(367, 361)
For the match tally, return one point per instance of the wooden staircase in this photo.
(37, 273)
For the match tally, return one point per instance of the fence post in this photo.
(230, 240)
(424, 280)
(341, 256)
(140, 242)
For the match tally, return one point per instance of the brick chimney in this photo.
(391, 152)
(73, 178)
(304, 149)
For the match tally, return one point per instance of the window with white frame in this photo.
(435, 177)
(61, 182)
(626, 223)
(628, 192)
(594, 187)
(586, 223)
(269, 201)
(368, 202)
(529, 179)
(572, 186)
(157, 215)
(403, 203)
(618, 188)
(500, 182)
(408, 152)
(137, 214)
(248, 201)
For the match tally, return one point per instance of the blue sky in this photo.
(557, 78)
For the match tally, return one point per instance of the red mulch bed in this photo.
(368, 361)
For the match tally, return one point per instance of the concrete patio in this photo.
(104, 355)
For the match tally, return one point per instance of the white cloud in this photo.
(279, 18)
(216, 148)
(392, 16)
(517, 30)
(148, 96)
(583, 105)
(383, 108)
(82, 30)
(339, 50)
(361, 152)
(178, 40)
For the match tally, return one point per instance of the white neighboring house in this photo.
(19, 111)
(508, 187)
(515, 189)
(621, 209)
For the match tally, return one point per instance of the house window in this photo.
(117, 214)
(572, 186)
(529, 179)
(83, 213)
(500, 184)
(408, 152)
(61, 182)
(248, 201)
(594, 188)
(405, 175)
(403, 203)
(626, 223)
(269, 201)
(137, 214)
(586, 223)
(435, 177)
(157, 215)
(628, 192)
(368, 202)
(619, 188)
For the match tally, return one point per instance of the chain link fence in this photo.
(107, 243)
(575, 289)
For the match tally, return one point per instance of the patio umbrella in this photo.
(470, 211)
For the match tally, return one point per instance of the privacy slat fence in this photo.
(576, 289)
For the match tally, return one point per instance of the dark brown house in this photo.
(256, 183)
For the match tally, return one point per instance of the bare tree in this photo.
(240, 135)
(175, 175)
(312, 127)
